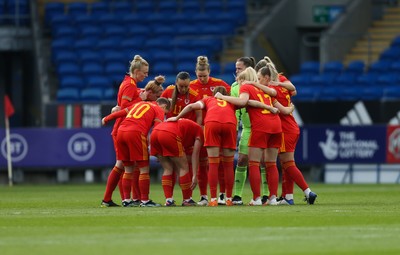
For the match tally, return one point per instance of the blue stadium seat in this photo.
(164, 68)
(61, 44)
(114, 30)
(84, 20)
(306, 94)
(379, 66)
(133, 43)
(85, 44)
(356, 67)
(68, 69)
(157, 18)
(164, 30)
(329, 93)
(387, 79)
(179, 44)
(395, 67)
(187, 30)
(163, 55)
(115, 56)
(366, 79)
(138, 30)
(67, 95)
(229, 68)
(92, 69)
(391, 93)
(135, 18)
(226, 77)
(186, 55)
(110, 94)
(109, 19)
(333, 67)
(225, 28)
(68, 31)
(60, 20)
(99, 8)
(71, 81)
(350, 93)
(191, 7)
(180, 19)
(310, 68)
(115, 68)
(77, 8)
(90, 56)
(371, 93)
(346, 79)
(65, 56)
(216, 6)
(91, 94)
(90, 31)
(110, 43)
(98, 81)
(123, 7)
(390, 54)
(187, 66)
(53, 9)
(300, 80)
(238, 9)
(322, 80)
(162, 42)
(201, 18)
(169, 7)
(395, 42)
(145, 7)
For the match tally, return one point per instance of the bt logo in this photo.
(81, 147)
(18, 147)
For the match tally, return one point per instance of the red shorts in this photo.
(132, 147)
(114, 137)
(289, 141)
(166, 144)
(263, 140)
(221, 135)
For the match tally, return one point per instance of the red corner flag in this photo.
(8, 107)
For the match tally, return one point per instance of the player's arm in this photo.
(195, 161)
(286, 110)
(114, 115)
(266, 89)
(199, 117)
(286, 84)
(188, 108)
(240, 101)
(258, 104)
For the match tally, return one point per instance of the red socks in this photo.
(112, 182)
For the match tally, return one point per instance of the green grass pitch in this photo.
(67, 219)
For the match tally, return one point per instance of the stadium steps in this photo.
(377, 38)
(234, 47)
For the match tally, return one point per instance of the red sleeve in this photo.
(116, 115)
(130, 96)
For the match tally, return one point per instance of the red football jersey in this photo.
(186, 129)
(182, 100)
(218, 110)
(288, 122)
(261, 119)
(141, 117)
(128, 95)
(207, 89)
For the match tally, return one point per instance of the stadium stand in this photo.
(119, 29)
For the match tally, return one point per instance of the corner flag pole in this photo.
(8, 111)
(8, 142)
